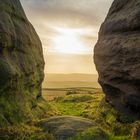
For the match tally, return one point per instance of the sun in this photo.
(69, 41)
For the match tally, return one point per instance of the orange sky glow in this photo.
(68, 31)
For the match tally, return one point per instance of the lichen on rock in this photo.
(117, 56)
(21, 65)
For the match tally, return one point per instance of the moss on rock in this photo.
(21, 66)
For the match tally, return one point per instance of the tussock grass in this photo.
(110, 124)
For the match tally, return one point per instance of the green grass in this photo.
(96, 133)
(76, 105)
(68, 108)
(112, 125)
(109, 124)
(24, 132)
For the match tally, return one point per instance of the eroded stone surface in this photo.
(117, 55)
(64, 127)
(21, 64)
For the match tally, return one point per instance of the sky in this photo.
(68, 30)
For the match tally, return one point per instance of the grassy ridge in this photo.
(69, 84)
(51, 93)
(86, 103)
(91, 105)
(70, 80)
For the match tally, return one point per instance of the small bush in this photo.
(71, 92)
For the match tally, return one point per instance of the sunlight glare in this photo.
(68, 41)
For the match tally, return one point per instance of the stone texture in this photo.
(117, 56)
(64, 127)
(21, 64)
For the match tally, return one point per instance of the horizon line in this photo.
(72, 73)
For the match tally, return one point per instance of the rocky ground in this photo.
(75, 116)
(86, 116)
(64, 127)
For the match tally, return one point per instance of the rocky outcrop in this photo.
(64, 127)
(117, 56)
(21, 65)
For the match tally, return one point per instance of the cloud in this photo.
(76, 14)
(70, 12)
(66, 13)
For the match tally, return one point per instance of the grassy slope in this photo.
(88, 104)
(111, 126)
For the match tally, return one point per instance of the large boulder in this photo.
(64, 127)
(21, 65)
(117, 56)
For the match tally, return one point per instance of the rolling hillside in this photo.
(70, 80)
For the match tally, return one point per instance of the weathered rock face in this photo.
(117, 55)
(64, 127)
(21, 64)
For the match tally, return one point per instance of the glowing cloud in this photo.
(68, 30)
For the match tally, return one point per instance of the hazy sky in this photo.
(68, 30)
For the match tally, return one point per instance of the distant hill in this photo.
(70, 80)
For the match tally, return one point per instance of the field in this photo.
(84, 103)
(72, 101)
(89, 103)
(69, 84)
(79, 95)
(70, 80)
(51, 93)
